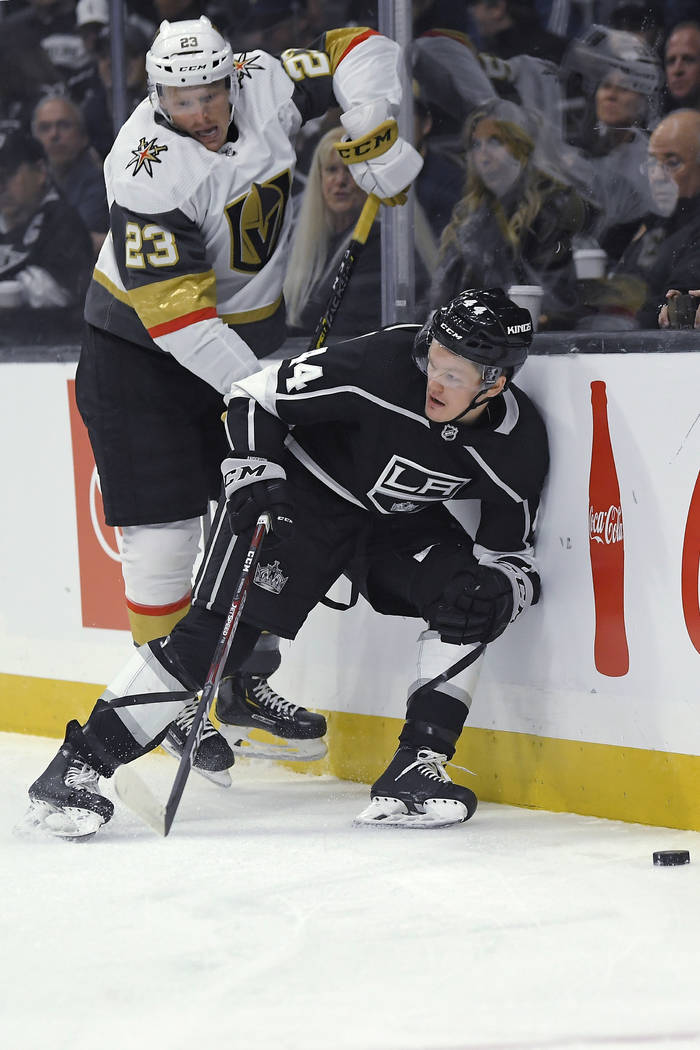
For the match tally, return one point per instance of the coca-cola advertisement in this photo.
(690, 568)
(607, 545)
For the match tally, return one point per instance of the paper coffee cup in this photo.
(590, 263)
(529, 296)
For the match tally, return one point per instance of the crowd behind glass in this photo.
(561, 146)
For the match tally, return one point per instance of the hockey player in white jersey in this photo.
(353, 450)
(187, 295)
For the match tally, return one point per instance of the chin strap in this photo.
(474, 403)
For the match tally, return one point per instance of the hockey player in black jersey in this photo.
(353, 451)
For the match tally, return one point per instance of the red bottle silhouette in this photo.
(607, 545)
(689, 568)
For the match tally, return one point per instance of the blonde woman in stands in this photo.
(331, 204)
(515, 222)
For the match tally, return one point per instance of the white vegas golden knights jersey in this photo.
(199, 241)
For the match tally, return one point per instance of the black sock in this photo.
(435, 720)
(193, 640)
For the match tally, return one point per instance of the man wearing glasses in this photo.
(664, 253)
(666, 250)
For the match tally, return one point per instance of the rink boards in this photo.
(547, 728)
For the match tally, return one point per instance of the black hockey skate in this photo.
(213, 757)
(284, 731)
(66, 799)
(416, 792)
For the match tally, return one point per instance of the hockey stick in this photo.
(347, 265)
(130, 788)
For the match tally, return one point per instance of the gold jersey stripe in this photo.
(164, 301)
(248, 316)
(339, 41)
(111, 287)
(242, 317)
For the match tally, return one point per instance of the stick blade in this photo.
(135, 793)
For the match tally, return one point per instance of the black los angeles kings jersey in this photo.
(353, 415)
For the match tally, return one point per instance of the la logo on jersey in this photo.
(407, 486)
(270, 577)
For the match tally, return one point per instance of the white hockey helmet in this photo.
(186, 54)
(601, 50)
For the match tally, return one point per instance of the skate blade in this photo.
(272, 748)
(69, 823)
(220, 777)
(393, 813)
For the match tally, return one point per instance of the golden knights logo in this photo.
(242, 65)
(256, 222)
(270, 577)
(145, 156)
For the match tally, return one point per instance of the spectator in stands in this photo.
(621, 83)
(511, 27)
(665, 252)
(440, 180)
(330, 207)
(91, 17)
(331, 204)
(682, 64)
(26, 72)
(48, 23)
(74, 166)
(98, 108)
(45, 251)
(48, 29)
(515, 222)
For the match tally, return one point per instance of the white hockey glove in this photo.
(381, 162)
(254, 486)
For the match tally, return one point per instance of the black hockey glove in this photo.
(254, 486)
(475, 606)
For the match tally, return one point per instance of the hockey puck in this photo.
(671, 857)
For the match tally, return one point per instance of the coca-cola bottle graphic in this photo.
(607, 546)
(690, 566)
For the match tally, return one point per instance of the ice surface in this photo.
(266, 921)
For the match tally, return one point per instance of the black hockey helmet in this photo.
(482, 325)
